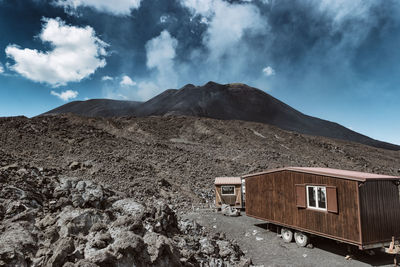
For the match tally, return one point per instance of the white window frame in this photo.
(234, 192)
(316, 198)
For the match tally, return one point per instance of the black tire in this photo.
(287, 235)
(301, 239)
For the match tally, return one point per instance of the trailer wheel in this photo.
(287, 235)
(301, 239)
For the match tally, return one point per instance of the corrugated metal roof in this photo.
(344, 174)
(227, 180)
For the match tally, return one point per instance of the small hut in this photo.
(228, 190)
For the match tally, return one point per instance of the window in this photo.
(227, 190)
(316, 197)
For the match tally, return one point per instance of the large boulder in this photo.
(73, 221)
(17, 243)
(83, 193)
(62, 249)
(129, 206)
(206, 246)
(163, 220)
(161, 250)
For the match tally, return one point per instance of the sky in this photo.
(334, 59)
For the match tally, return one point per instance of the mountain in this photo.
(234, 101)
(98, 108)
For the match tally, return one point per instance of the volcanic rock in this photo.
(85, 224)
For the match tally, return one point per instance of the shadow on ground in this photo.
(379, 258)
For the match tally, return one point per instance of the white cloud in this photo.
(163, 19)
(66, 95)
(107, 78)
(116, 7)
(229, 24)
(1, 68)
(341, 10)
(76, 54)
(268, 71)
(127, 81)
(228, 39)
(204, 20)
(121, 96)
(148, 90)
(199, 7)
(353, 19)
(160, 52)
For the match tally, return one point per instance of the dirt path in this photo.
(265, 248)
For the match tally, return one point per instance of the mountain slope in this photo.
(228, 102)
(98, 108)
(241, 102)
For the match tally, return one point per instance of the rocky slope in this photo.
(47, 219)
(73, 189)
(227, 102)
(175, 158)
(98, 108)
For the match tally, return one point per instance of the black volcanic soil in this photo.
(169, 159)
(260, 242)
(98, 107)
(133, 154)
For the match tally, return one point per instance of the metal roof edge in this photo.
(327, 174)
(227, 180)
(296, 169)
(263, 172)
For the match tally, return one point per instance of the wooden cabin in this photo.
(228, 190)
(357, 208)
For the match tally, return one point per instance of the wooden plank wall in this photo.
(229, 200)
(272, 197)
(380, 211)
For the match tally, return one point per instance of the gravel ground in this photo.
(265, 248)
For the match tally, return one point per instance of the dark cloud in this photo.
(339, 42)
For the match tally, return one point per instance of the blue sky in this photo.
(334, 59)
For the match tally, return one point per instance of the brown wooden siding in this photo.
(272, 197)
(227, 199)
(380, 211)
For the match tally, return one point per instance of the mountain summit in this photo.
(234, 101)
